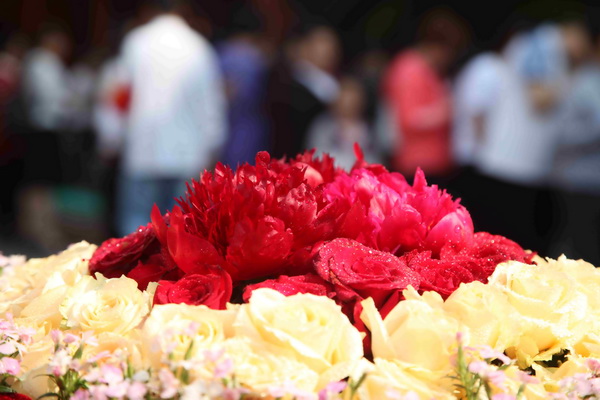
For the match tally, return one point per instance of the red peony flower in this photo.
(212, 289)
(358, 272)
(257, 221)
(290, 285)
(367, 233)
(381, 210)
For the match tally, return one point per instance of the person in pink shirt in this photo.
(418, 97)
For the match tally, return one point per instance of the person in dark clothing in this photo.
(301, 87)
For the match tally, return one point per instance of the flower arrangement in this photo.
(292, 279)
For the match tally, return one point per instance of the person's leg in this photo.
(135, 197)
(171, 190)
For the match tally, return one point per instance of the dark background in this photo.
(363, 24)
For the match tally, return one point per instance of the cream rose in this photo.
(24, 283)
(311, 329)
(484, 310)
(551, 310)
(414, 332)
(583, 274)
(262, 370)
(127, 347)
(395, 379)
(105, 305)
(170, 328)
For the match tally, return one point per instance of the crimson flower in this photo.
(116, 257)
(212, 289)
(358, 271)
(381, 210)
(255, 222)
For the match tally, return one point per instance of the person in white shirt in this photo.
(496, 135)
(46, 81)
(576, 169)
(176, 121)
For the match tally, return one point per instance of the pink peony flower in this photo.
(381, 210)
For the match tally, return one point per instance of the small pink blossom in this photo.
(56, 336)
(291, 389)
(80, 394)
(478, 367)
(223, 368)
(8, 348)
(169, 383)
(136, 391)
(10, 366)
(214, 355)
(496, 377)
(69, 338)
(60, 362)
(593, 364)
(332, 388)
(503, 396)
(111, 374)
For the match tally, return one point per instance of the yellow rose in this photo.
(261, 370)
(394, 379)
(551, 311)
(312, 329)
(105, 305)
(170, 328)
(550, 377)
(22, 284)
(485, 312)
(414, 332)
(588, 345)
(584, 275)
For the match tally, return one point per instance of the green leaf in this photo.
(78, 353)
(188, 352)
(49, 394)
(6, 389)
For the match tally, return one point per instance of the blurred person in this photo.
(244, 59)
(109, 117)
(336, 131)
(303, 88)
(419, 99)
(576, 168)
(112, 98)
(544, 59)
(494, 138)
(176, 122)
(46, 94)
(370, 69)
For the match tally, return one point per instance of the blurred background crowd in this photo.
(108, 107)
